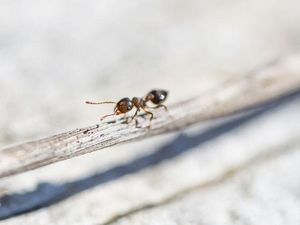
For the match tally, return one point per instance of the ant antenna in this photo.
(97, 103)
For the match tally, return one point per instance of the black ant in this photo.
(157, 97)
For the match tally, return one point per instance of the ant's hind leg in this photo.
(165, 108)
(151, 117)
(159, 106)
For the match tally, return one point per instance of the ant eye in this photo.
(129, 105)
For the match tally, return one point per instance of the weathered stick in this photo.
(233, 96)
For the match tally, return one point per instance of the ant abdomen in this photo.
(157, 96)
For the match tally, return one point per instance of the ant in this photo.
(156, 96)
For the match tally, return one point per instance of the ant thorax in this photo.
(138, 102)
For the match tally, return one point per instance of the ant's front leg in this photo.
(103, 117)
(124, 118)
(116, 112)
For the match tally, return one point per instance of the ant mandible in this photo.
(156, 96)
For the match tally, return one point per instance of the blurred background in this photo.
(56, 54)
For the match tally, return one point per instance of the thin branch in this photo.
(232, 96)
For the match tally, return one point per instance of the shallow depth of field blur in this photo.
(55, 55)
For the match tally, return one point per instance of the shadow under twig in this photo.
(47, 194)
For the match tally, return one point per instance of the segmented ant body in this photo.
(157, 97)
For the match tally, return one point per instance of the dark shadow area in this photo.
(47, 194)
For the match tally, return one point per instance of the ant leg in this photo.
(165, 107)
(124, 118)
(102, 118)
(151, 116)
(136, 123)
(133, 117)
(116, 112)
(159, 106)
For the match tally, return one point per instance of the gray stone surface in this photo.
(264, 193)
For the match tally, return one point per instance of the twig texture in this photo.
(232, 96)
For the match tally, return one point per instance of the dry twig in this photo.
(233, 96)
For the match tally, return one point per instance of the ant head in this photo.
(157, 96)
(124, 105)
